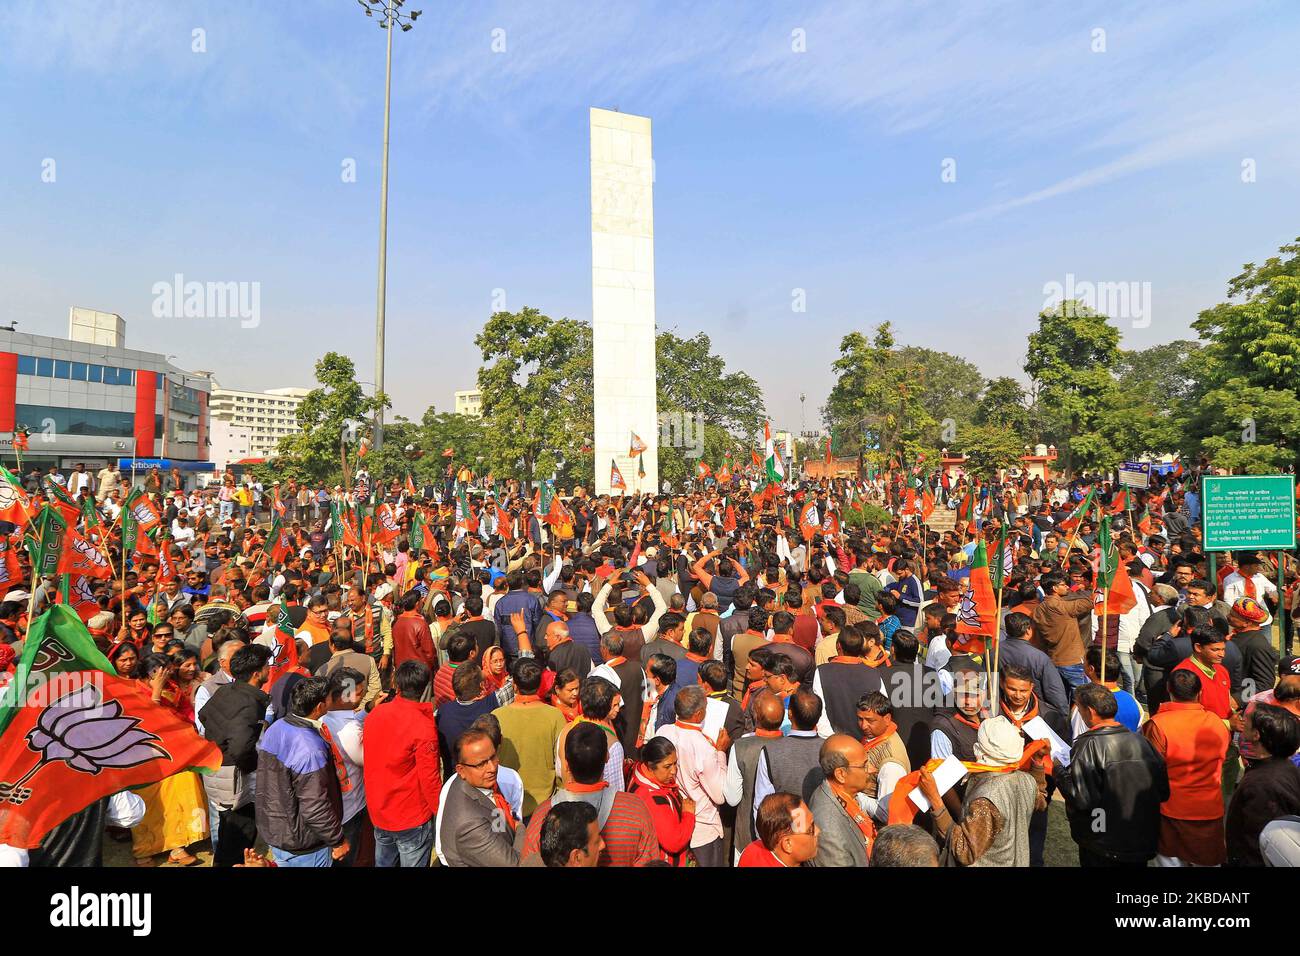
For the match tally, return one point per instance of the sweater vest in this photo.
(842, 686)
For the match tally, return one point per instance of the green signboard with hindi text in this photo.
(1249, 512)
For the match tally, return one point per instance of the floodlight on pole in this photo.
(389, 13)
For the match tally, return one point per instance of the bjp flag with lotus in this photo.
(977, 614)
(72, 731)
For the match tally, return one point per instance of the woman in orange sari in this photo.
(176, 810)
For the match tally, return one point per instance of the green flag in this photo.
(336, 524)
(129, 531)
(416, 537)
(1109, 558)
(49, 530)
(57, 642)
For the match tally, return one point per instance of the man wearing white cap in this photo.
(995, 814)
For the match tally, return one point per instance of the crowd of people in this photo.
(748, 673)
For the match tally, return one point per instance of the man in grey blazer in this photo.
(844, 825)
(478, 827)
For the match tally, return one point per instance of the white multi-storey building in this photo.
(469, 401)
(268, 416)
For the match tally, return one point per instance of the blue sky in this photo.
(776, 170)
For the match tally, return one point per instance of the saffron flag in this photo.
(616, 477)
(142, 510)
(724, 474)
(410, 486)
(166, 563)
(1119, 504)
(702, 470)
(16, 505)
(809, 522)
(385, 525)
(72, 731)
(78, 593)
(927, 503)
(10, 572)
(1071, 521)
(977, 613)
(966, 508)
(277, 545)
(637, 446)
(284, 650)
(1112, 576)
(728, 515)
(79, 556)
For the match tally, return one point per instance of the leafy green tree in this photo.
(875, 408)
(950, 386)
(1003, 403)
(1162, 375)
(1249, 376)
(693, 381)
(536, 381)
(312, 453)
(989, 447)
(1071, 359)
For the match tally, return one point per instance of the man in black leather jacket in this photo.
(1113, 787)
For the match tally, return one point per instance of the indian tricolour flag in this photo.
(772, 462)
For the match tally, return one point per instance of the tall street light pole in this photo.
(390, 15)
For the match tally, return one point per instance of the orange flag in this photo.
(977, 613)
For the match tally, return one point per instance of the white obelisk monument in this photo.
(623, 297)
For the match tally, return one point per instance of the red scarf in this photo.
(504, 806)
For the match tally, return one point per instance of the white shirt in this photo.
(1234, 588)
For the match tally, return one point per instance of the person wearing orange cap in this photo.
(1259, 659)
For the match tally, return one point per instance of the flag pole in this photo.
(997, 648)
(1105, 639)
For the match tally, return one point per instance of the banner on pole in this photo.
(1135, 474)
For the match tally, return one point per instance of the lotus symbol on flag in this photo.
(968, 613)
(8, 496)
(386, 519)
(279, 654)
(88, 735)
(89, 553)
(142, 513)
(81, 588)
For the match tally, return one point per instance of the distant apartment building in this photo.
(469, 401)
(268, 416)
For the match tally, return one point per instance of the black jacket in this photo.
(232, 719)
(1269, 789)
(1113, 789)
